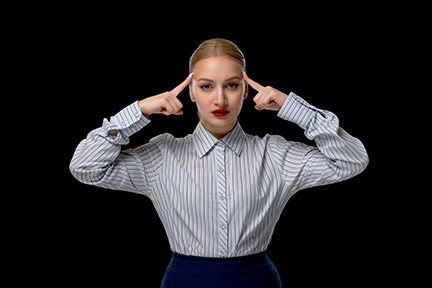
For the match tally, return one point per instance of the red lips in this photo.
(220, 112)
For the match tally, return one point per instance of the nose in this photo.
(220, 99)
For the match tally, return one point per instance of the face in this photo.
(218, 89)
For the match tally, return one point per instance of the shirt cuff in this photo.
(129, 120)
(297, 110)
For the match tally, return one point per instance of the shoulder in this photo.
(274, 143)
(266, 140)
(167, 141)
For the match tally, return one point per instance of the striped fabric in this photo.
(221, 192)
(220, 198)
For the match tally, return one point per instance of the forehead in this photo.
(217, 68)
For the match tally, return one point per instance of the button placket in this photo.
(222, 199)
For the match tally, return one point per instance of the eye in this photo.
(232, 85)
(205, 87)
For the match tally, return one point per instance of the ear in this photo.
(191, 92)
(246, 90)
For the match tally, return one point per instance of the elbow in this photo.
(86, 174)
(361, 165)
(76, 172)
(80, 172)
(364, 161)
(351, 169)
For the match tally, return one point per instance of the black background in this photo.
(97, 61)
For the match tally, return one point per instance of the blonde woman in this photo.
(219, 191)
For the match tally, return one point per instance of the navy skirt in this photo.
(253, 271)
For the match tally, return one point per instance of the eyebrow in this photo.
(210, 80)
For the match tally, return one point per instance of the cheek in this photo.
(201, 101)
(240, 105)
(237, 98)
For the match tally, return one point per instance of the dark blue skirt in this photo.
(253, 271)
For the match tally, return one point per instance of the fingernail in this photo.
(243, 72)
(191, 74)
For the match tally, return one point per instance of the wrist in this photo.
(144, 111)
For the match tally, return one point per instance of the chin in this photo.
(220, 122)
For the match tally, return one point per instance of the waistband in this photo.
(221, 263)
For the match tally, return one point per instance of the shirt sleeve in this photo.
(337, 157)
(98, 159)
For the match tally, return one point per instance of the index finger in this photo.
(183, 85)
(252, 83)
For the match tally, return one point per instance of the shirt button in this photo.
(223, 226)
(123, 123)
(137, 115)
(220, 169)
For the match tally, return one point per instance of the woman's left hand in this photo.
(267, 98)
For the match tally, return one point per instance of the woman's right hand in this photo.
(165, 103)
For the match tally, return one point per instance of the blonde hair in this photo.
(217, 47)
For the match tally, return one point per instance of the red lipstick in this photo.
(220, 112)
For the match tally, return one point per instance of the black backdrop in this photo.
(99, 65)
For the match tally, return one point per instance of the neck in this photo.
(219, 132)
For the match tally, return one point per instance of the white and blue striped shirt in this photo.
(220, 198)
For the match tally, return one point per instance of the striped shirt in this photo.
(219, 198)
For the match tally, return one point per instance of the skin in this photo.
(219, 83)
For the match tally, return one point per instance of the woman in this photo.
(219, 191)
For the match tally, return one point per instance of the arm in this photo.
(338, 156)
(98, 159)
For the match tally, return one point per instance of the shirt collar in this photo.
(204, 141)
